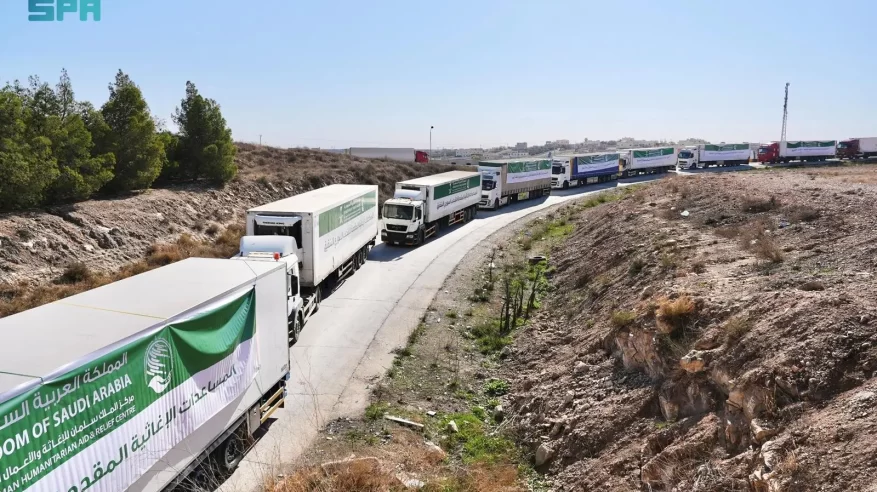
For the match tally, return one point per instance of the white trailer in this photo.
(857, 148)
(797, 149)
(704, 155)
(134, 385)
(647, 161)
(512, 180)
(333, 228)
(420, 206)
(396, 154)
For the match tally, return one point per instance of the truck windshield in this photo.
(402, 212)
(842, 145)
(686, 154)
(556, 169)
(763, 150)
(488, 184)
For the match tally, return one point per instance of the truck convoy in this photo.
(325, 234)
(776, 152)
(855, 148)
(420, 206)
(575, 170)
(647, 161)
(704, 155)
(138, 384)
(396, 154)
(511, 180)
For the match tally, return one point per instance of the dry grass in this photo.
(78, 278)
(622, 319)
(673, 314)
(803, 213)
(736, 328)
(754, 238)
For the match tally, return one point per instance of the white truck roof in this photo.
(41, 340)
(517, 159)
(315, 201)
(437, 179)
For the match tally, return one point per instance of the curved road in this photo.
(347, 345)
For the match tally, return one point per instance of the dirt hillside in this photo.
(715, 332)
(106, 234)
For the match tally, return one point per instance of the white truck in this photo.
(332, 229)
(800, 150)
(396, 154)
(152, 383)
(575, 170)
(704, 155)
(420, 206)
(511, 180)
(647, 161)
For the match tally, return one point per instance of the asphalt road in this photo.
(347, 345)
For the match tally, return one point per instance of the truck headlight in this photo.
(409, 236)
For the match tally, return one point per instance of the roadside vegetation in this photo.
(448, 379)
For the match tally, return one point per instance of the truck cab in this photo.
(848, 149)
(280, 248)
(769, 153)
(403, 217)
(688, 158)
(561, 173)
(491, 188)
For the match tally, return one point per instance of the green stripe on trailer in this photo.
(820, 143)
(638, 154)
(528, 166)
(113, 417)
(457, 186)
(597, 159)
(344, 213)
(725, 147)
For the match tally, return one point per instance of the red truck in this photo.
(793, 150)
(854, 148)
(421, 156)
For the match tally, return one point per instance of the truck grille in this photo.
(397, 228)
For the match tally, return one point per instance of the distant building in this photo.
(468, 152)
(561, 142)
(521, 146)
(512, 154)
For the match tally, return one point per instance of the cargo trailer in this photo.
(575, 170)
(857, 148)
(647, 161)
(797, 150)
(332, 227)
(705, 155)
(512, 180)
(421, 206)
(138, 384)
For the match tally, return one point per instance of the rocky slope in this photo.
(716, 332)
(106, 234)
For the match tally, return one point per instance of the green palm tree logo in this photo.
(159, 365)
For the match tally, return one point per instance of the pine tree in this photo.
(206, 149)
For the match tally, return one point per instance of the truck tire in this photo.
(496, 204)
(231, 452)
(420, 238)
(295, 328)
(566, 185)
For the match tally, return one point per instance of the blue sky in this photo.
(484, 73)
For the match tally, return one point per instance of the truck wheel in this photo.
(295, 329)
(231, 452)
(566, 185)
(318, 298)
(420, 238)
(496, 204)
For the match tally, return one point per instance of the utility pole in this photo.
(785, 114)
(260, 140)
(430, 140)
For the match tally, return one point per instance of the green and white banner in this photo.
(449, 196)
(524, 171)
(356, 216)
(814, 149)
(596, 164)
(725, 152)
(100, 424)
(645, 158)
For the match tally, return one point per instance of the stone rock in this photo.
(580, 367)
(761, 431)
(694, 361)
(498, 413)
(435, 451)
(771, 453)
(555, 430)
(647, 292)
(413, 483)
(452, 427)
(570, 396)
(812, 286)
(544, 453)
